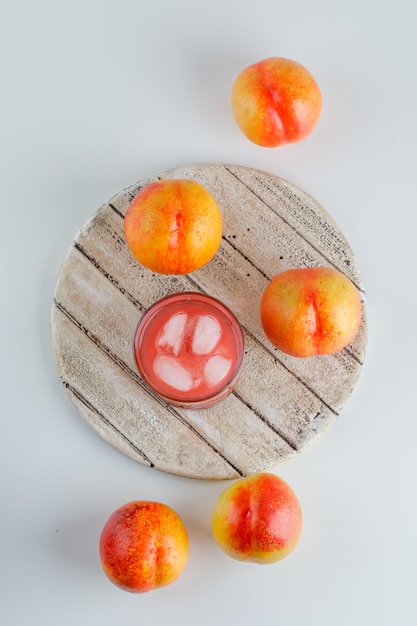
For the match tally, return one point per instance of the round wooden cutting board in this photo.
(280, 404)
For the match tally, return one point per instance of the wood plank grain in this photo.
(103, 241)
(280, 404)
(95, 304)
(107, 390)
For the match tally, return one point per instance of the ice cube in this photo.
(172, 333)
(172, 373)
(206, 335)
(216, 368)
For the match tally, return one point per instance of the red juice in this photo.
(189, 349)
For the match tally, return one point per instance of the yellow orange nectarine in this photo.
(143, 546)
(275, 102)
(173, 226)
(310, 311)
(257, 519)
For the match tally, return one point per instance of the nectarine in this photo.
(257, 519)
(310, 311)
(275, 102)
(143, 546)
(173, 226)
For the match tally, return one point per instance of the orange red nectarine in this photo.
(275, 102)
(143, 546)
(173, 226)
(257, 519)
(310, 311)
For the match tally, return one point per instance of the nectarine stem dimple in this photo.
(316, 327)
(175, 230)
(275, 110)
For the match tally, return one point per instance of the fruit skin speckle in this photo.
(173, 226)
(275, 102)
(143, 546)
(257, 519)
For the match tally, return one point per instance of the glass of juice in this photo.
(189, 349)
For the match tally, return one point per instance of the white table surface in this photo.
(97, 95)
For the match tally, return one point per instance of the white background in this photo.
(96, 95)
